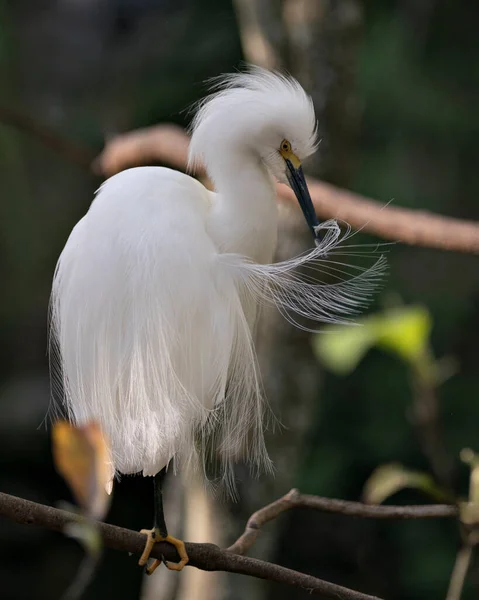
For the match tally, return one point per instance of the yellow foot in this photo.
(154, 536)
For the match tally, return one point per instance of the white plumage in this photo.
(157, 290)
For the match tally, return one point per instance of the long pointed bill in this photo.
(298, 184)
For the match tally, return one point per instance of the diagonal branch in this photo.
(165, 144)
(168, 144)
(294, 499)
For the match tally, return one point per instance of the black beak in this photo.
(298, 185)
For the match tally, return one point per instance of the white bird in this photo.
(157, 291)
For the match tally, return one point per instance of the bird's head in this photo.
(262, 116)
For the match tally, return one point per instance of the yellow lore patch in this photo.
(287, 153)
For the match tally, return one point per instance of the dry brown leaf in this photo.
(82, 457)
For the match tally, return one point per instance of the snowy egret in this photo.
(158, 288)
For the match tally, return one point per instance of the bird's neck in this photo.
(244, 218)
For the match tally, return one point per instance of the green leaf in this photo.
(404, 331)
(340, 350)
(469, 513)
(469, 457)
(392, 478)
(86, 533)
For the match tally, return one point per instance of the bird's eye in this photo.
(285, 146)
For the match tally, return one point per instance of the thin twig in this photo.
(203, 556)
(294, 499)
(83, 577)
(71, 151)
(427, 422)
(458, 577)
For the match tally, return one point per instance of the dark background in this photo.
(90, 69)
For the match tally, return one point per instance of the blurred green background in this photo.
(89, 69)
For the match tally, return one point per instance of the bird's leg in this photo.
(159, 533)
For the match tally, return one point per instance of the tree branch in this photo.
(72, 152)
(211, 558)
(203, 556)
(418, 228)
(160, 143)
(169, 144)
(294, 499)
(257, 48)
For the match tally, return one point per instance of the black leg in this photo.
(159, 518)
(159, 532)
